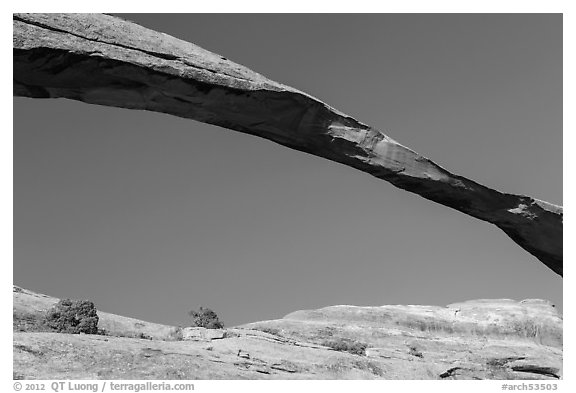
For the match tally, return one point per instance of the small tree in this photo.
(346, 345)
(205, 318)
(73, 316)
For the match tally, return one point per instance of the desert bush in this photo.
(415, 352)
(346, 345)
(205, 318)
(527, 328)
(269, 330)
(73, 316)
(103, 332)
(143, 336)
(326, 332)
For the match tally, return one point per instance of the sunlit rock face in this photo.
(100, 59)
(479, 339)
(534, 320)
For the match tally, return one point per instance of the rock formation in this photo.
(481, 339)
(478, 339)
(101, 59)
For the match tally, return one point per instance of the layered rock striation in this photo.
(101, 59)
(480, 339)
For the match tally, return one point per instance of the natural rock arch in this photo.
(101, 59)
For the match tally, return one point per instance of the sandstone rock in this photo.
(104, 60)
(202, 334)
(534, 320)
(478, 339)
(467, 340)
(30, 307)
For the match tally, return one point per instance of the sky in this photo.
(150, 215)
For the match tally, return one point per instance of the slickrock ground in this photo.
(480, 339)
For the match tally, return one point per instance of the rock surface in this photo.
(202, 334)
(481, 339)
(29, 307)
(104, 60)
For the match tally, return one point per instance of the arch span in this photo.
(101, 59)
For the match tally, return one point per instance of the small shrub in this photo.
(103, 332)
(496, 362)
(326, 332)
(144, 336)
(269, 330)
(374, 369)
(73, 316)
(415, 352)
(205, 318)
(346, 345)
(527, 328)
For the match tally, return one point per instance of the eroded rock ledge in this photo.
(478, 339)
(100, 59)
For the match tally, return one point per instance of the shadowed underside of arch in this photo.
(101, 59)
